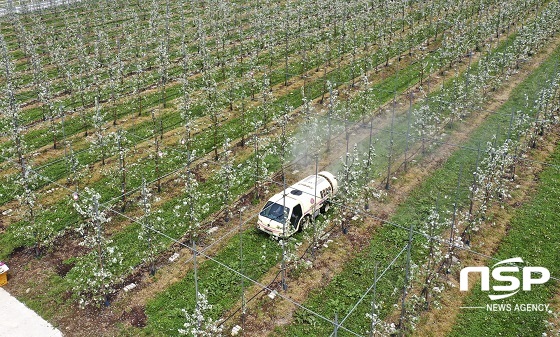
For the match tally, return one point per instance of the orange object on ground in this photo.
(3, 273)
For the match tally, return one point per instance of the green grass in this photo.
(223, 286)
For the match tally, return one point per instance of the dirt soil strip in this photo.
(333, 259)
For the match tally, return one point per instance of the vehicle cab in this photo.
(292, 210)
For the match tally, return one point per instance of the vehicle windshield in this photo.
(275, 212)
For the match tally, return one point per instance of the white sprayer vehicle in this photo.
(293, 209)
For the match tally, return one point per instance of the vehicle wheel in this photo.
(305, 222)
(325, 207)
